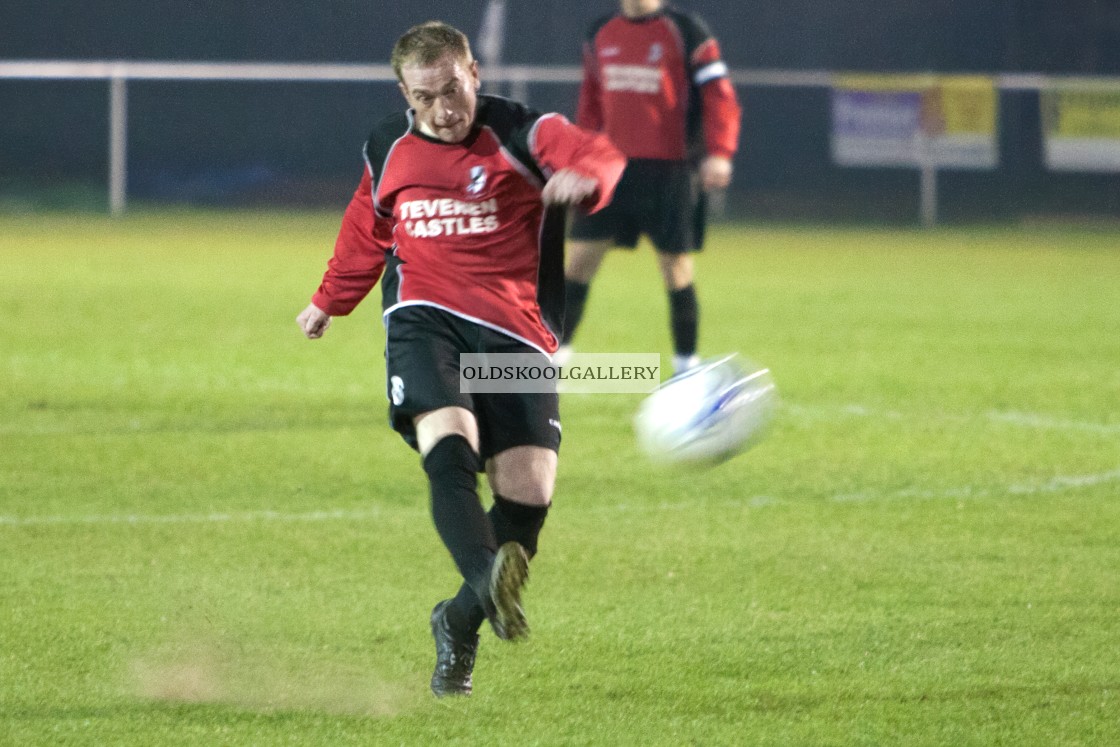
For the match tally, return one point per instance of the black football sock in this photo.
(684, 319)
(512, 521)
(466, 531)
(518, 522)
(575, 298)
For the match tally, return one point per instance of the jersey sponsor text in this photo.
(632, 78)
(449, 217)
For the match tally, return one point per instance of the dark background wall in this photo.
(1042, 35)
(229, 141)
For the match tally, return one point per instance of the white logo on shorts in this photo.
(555, 424)
(396, 391)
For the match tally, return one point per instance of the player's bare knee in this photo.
(539, 494)
(676, 270)
(584, 258)
(435, 425)
(524, 474)
(526, 490)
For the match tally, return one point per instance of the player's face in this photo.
(444, 95)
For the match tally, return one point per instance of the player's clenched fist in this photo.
(568, 187)
(313, 321)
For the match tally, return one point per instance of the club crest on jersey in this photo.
(655, 52)
(477, 181)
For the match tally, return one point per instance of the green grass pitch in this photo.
(209, 535)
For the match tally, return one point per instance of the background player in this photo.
(451, 216)
(655, 83)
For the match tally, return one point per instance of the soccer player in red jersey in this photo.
(655, 83)
(460, 214)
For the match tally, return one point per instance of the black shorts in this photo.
(661, 199)
(422, 347)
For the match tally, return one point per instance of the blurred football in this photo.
(707, 414)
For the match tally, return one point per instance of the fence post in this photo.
(929, 195)
(118, 144)
(519, 89)
(927, 174)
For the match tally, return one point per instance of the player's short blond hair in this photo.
(428, 43)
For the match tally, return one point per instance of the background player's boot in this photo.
(507, 575)
(682, 363)
(454, 656)
(563, 355)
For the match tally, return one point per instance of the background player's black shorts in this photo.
(661, 199)
(422, 347)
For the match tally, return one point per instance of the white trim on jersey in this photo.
(711, 71)
(467, 317)
(532, 139)
(518, 166)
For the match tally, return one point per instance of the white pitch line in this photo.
(1043, 422)
(1056, 484)
(1066, 482)
(1028, 420)
(208, 518)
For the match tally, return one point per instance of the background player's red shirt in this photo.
(461, 226)
(658, 87)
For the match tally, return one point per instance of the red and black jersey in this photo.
(657, 86)
(461, 226)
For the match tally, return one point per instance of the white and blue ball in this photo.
(707, 414)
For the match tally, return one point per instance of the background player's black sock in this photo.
(684, 319)
(466, 531)
(511, 521)
(575, 298)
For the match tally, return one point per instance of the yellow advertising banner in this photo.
(967, 104)
(943, 121)
(1081, 128)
